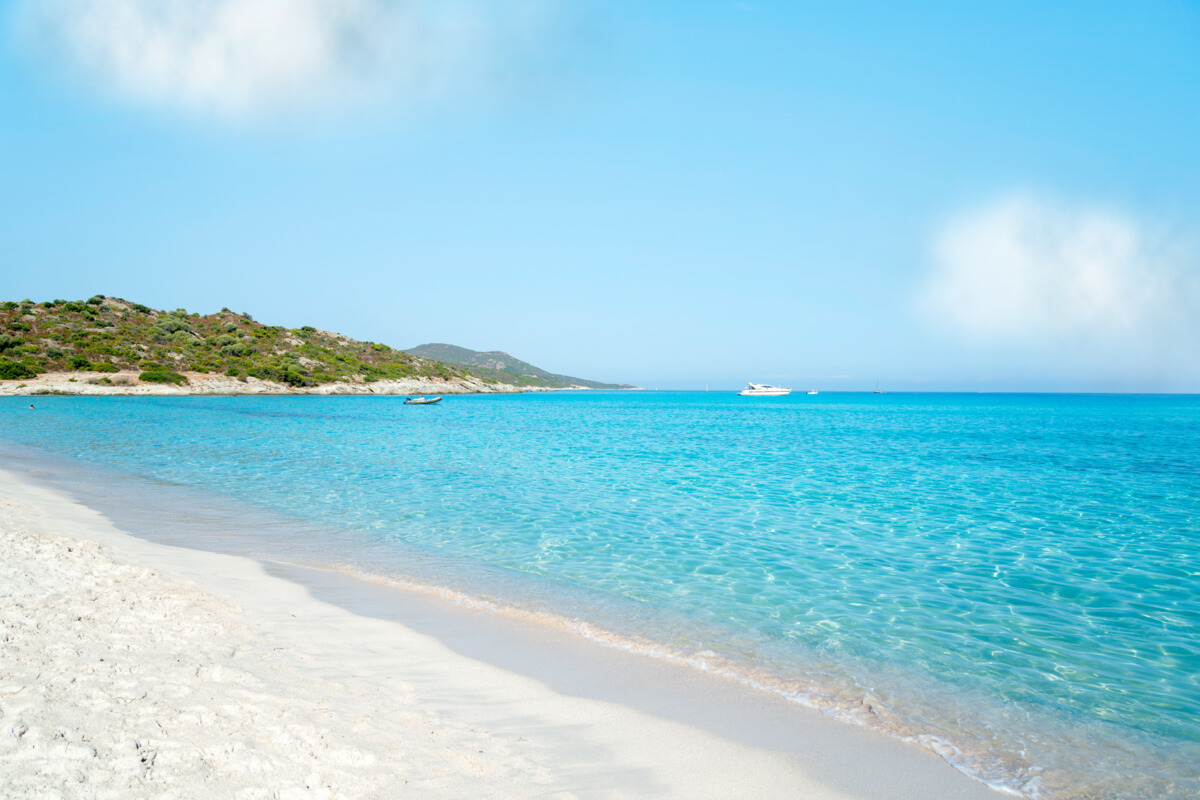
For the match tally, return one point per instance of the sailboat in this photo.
(877, 389)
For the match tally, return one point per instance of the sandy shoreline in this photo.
(204, 383)
(139, 669)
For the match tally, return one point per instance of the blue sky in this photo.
(944, 196)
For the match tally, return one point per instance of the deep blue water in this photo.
(1012, 580)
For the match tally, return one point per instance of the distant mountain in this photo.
(501, 366)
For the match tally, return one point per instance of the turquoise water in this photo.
(1010, 580)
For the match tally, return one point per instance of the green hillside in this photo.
(108, 334)
(500, 366)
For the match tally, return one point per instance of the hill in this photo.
(500, 366)
(110, 335)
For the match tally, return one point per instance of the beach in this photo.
(135, 669)
(933, 609)
(286, 513)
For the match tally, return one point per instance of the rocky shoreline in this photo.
(199, 383)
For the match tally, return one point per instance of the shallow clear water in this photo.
(1011, 580)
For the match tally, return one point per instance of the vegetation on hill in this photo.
(108, 334)
(500, 366)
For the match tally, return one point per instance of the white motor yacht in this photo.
(764, 390)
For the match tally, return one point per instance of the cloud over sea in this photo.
(1067, 280)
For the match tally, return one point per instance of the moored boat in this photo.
(421, 401)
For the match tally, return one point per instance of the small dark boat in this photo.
(421, 401)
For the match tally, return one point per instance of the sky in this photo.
(938, 196)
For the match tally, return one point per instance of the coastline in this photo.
(126, 383)
(339, 671)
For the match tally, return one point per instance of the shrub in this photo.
(105, 366)
(233, 372)
(162, 375)
(80, 362)
(171, 324)
(8, 342)
(238, 350)
(18, 326)
(291, 374)
(12, 371)
(74, 307)
(105, 381)
(9, 305)
(95, 300)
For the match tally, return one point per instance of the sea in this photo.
(1011, 581)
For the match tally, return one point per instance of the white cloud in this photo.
(1027, 268)
(246, 58)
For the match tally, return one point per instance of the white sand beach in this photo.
(135, 669)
